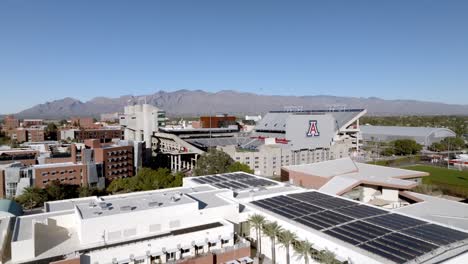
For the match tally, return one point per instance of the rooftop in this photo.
(55, 165)
(345, 173)
(276, 120)
(385, 236)
(439, 210)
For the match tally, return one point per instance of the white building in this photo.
(141, 121)
(209, 215)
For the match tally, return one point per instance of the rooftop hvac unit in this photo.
(126, 208)
(153, 204)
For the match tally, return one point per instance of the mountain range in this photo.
(193, 103)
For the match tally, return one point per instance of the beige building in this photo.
(377, 185)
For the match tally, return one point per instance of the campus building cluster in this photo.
(89, 164)
(280, 138)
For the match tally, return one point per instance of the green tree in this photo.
(406, 147)
(213, 162)
(450, 143)
(89, 191)
(123, 185)
(303, 250)
(57, 191)
(286, 238)
(257, 221)
(51, 131)
(272, 230)
(32, 197)
(145, 180)
(237, 166)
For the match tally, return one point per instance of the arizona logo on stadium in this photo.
(313, 130)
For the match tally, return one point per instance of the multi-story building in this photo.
(10, 124)
(25, 156)
(207, 220)
(117, 160)
(65, 173)
(105, 134)
(83, 122)
(110, 117)
(14, 177)
(32, 122)
(141, 121)
(30, 134)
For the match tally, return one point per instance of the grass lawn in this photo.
(442, 175)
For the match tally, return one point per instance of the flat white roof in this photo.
(440, 210)
(53, 165)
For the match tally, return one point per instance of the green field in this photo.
(440, 175)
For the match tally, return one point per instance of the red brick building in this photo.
(83, 122)
(31, 134)
(117, 160)
(27, 157)
(32, 122)
(10, 124)
(65, 173)
(104, 135)
(217, 121)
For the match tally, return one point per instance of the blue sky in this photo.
(83, 49)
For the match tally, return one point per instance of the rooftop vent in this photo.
(126, 208)
(153, 204)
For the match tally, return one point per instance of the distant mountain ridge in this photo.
(192, 103)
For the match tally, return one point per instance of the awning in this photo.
(245, 260)
(172, 250)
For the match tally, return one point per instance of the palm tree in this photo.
(303, 250)
(286, 238)
(328, 257)
(257, 221)
(272, 230)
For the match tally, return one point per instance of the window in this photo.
(212, 244)
(171, 255)
(185, 250)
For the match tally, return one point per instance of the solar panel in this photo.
(395, 221)
(395, 237)
(332, 203)
(234, 181)
(340, 236)
(309, 196)
(361, 211)
(382, 253)
(436, 234)
(410, 242)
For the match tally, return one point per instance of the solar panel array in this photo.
(395, 237)
(234, 181)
